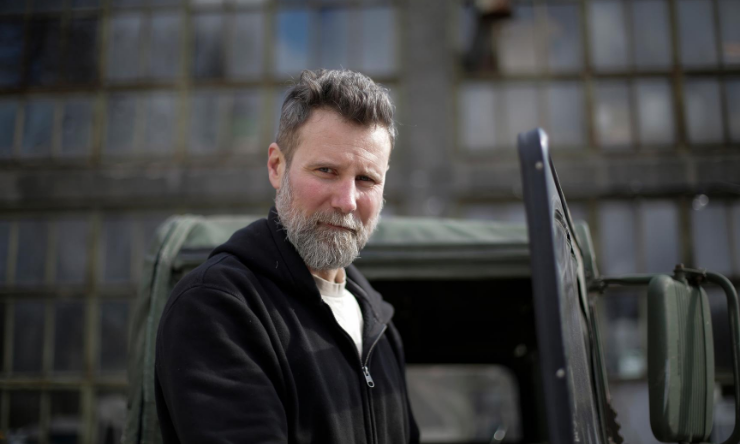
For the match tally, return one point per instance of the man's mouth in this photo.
(337, 227)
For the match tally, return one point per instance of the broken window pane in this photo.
(564, 37)
(378, 41)
(11, 52)
(334, 46)
(608, 35)
(72, 250)
(245, 56)
(477, 105)
(651, 39)
(654, 111)
(121, 124)
(613, 125)
(82, 51)
(28, 337)
(31, 257)
(291, 42)
(696, 33)
(113, 336)
(208, 57)
(164, 45)
(44, 48)
(69, 336)
(124, 46)
(566, 121)
(702, 110)
(8, 112)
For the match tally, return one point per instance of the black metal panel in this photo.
(561, 317)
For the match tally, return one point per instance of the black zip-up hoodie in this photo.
(247, 352)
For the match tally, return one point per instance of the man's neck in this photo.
(337, 275)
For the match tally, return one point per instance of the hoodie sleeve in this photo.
(218, 378)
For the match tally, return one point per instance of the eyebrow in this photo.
(328, 164)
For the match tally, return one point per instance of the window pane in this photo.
(710, 234)
(2, 335)
(120, 3)
(72, 250)
(76, 127)
(8, 111)
(566, 121)
(28, 336)
(334, 47)
(696, 33)
(245, 124)
(121, 124)
(702, 111)
(69, 330)
(11, 52)
(31, 259)
(564, 37)
(732, 88)
(245, 57)
(614, 129)
(24, 414)
(208, 60)
(736, 235)
(160, 122)
(608, 36)
(378, 46)
(660, 236)
(517, 44)
(124, 46)
(654, 111)
(113, 336)
(729, 19)
(43, 51)
(17, 6)
(38, 128)
(66, 420)
(117, 239)
(205, 119)
(82, 51)
(85, 3)
(164, 49)
(521, 106)
(292, 42)
(110, 414)
(477, 115)
(617, 236)
(4, 246)
(651, 41)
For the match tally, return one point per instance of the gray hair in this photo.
(352, 95)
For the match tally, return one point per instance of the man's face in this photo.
(330, 197)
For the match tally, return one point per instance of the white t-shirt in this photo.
(344, 306)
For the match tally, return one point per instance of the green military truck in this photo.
(498, 321)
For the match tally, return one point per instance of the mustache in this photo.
(348, 221)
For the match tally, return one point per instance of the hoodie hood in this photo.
(264, 248)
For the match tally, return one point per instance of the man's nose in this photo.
(344, 197)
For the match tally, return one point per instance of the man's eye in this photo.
(324, 170)
(365, 179)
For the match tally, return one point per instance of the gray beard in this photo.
(320, 247)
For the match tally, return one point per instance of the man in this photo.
(277, 338)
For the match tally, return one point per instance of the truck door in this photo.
(562, 313)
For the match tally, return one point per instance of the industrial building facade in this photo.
(115, 114)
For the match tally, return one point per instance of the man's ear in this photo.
(275, 165)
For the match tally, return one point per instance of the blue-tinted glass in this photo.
(44, 48)
(608, 35)
(11, 52)
(121, 124)
(378, 44)
(31, 257)
(164, 46)
(117, 245)
(696, 33)
(246, 45)
(564, 37)
(71, 251)
(113, 336)
(732, 89)
(703, 111)
(82, 51)
(730, 23)
(160, 122)
(8, 111)
(208, 60)
(76, 127)
(28, 336)
(69, 330)
(292, 42)
(334, 48)
(4, 246)
(124, 43)
(38, 128)
(651, 40)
